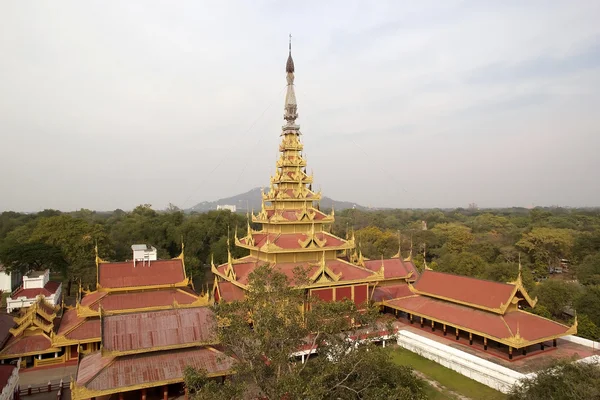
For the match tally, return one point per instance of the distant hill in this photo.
(252, 199)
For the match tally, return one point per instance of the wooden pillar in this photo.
(432, 326)
(457, 333)
(524, 351)
(542, 346)
(422, 321)
(121, 396)
(444, 327)
(143, 394)
(509, 353)
(165, 392)
(485, 343)
(470, 338)
(554, 344)
(396, 313)
(410, 316)
(186, 393)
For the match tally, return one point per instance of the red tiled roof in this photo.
(348, 271)
(145, 330)
(6, 323)
(230, 292)
(150, 298)
(26, 344)
(48, 290)
(393, 267)
(100, 373)
(291, 215)
(68, 321)
(532, 327)
(90, 329)
(290, 241)
(92, 298)
(476, 292)
(124, 274)
(390, 292)
(494, 325)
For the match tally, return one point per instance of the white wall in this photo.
(22, 301)
(37, 282)
(5, 282)
(476, 368)
(582, 341)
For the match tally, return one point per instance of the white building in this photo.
(36, 283)
(9, 281)
(229, 207)
(144, 253)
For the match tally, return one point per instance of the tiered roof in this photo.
(295, 232)
(32, 331)
(151, 348)
(486, 308)
(108, 375)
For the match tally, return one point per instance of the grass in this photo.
(451, 380)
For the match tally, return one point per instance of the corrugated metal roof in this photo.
(99, 373)
(153, 298)
(155, 329)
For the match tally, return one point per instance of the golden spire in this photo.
(410, 254)
(290, 97)
(399, 254)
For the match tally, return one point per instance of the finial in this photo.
(289, 66)
(399, 254)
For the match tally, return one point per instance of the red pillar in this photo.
(143, 394)
(165, 392)
(121, 396)
(186, 393)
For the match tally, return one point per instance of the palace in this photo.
(136, 332)
(295, 232)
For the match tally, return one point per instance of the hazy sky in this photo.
(107, 105)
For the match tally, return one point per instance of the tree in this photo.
(547, 245)
(588, 303)
(76, 238)
(465, 263)
(564, 380)
(455, 236)
(586, 328)
(374, 242)
(23, 257)
(588, 272)
(266, 328)
(556, 295)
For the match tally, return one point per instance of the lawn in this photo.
(451, 380)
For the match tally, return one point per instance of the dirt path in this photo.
(440, 388)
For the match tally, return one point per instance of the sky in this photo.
(107, 105)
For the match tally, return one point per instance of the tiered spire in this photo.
(291, 106)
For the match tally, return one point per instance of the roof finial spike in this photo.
(290, 45)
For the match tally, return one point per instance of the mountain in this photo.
(253, 200)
